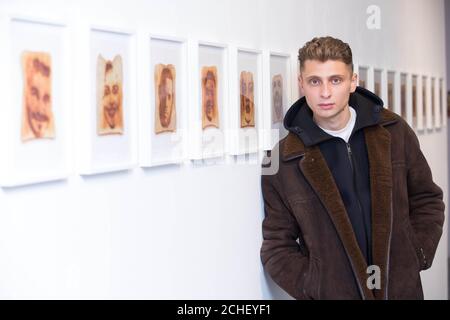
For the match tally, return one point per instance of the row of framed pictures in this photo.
(420, 99)
(105, 99)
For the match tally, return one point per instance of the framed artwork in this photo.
(436, 102)
(427, 102)
(279, 92)
(210, 77)
(246, 120)
(378, 83)
(391, 91)
(415, 99)
(403, 95)
(163, 131)
(363, 77)
(35, 114)
(443, 101)
(109, 142)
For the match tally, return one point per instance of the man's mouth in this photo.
(326, 106)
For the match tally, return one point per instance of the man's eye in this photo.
(107, 90)
(314, 82)
(336, 80)
(115, 89)
(46, 98)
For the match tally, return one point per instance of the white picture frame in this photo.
(417, 103)
(207, 140)
(246, 132)
(404, 95)
(102, 153)
(443, 100)
(164, 143)
(37, 151)
(365, 76)
(427, 103)
(277, 64)
(379, 83)
(393, 92)
(436, 106)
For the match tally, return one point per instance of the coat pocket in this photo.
(311, 288)
(412, 243)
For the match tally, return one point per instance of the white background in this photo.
(184, 231)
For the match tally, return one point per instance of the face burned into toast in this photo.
(109, 88)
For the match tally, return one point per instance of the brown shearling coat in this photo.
(309, 247)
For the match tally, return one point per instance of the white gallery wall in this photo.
(193, 231)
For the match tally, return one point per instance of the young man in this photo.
(352, 212)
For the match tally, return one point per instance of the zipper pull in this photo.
(349, 150)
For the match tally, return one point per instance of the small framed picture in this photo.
(110, 140)
(403, 95)
(435, 101)
(427, 102)
(363, 77)
(415, 101)
(443, 101)
(209, 115)
(163, 126)
(246, 118)
(35, 114)
(279, 93)
(391, 89)
(378, 82)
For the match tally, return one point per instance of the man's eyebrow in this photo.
(329, 77)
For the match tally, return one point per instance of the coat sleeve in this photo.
(426, 208)
(283, 258)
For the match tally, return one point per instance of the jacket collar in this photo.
(299, 118)
(294, 145)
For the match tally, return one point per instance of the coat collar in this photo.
(299, 118)
(293, 147)
(314, 167)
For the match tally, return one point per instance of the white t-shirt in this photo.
(345, 132)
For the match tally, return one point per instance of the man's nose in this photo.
(325, 91)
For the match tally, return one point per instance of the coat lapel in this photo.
(316, 171)
(378, 143)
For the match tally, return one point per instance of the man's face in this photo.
(210, 87)
(247, 97)
(166, 102)
(327, 87)
(277, 95)
(112, 99)
(38, 98)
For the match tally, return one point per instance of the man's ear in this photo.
(354, 82)
(300, 82)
